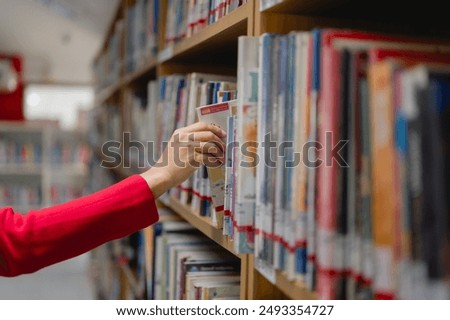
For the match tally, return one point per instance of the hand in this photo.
(188, 148)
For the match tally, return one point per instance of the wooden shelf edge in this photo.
(302, 6)
(21, 170)
(104, 94)
(295, 290)
(215, 30)
(203, 224)
(136, 286)
(148, 67)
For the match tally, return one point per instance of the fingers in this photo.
(211, 149)
(207, 136)
(207, 153)
(203, 126)
(207, 160)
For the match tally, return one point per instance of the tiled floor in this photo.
(68, 280)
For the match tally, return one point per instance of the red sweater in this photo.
(47, 236)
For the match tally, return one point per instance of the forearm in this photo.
(47, 236)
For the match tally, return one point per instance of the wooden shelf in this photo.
(220, 35)
(21, 170)
(136, 286)
(368, 15)
(293, 289)
(145, 71)
(30, 128)
(70, 168)
(105, 94)
(203, 224)
(304, 6)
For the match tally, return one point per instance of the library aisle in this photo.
(68, 280)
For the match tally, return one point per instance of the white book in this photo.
(297, 261)
(282, 125)
(218, 115)
(246, 135)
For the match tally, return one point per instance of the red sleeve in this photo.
(47, 236)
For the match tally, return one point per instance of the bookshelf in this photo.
(214, 49)
(40, 164)
(221, 34)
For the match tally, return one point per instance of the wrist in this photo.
(157, 180)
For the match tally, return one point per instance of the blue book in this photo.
(315, 72)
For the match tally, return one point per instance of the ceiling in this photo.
(58, 39)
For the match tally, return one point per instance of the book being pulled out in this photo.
(217, 114)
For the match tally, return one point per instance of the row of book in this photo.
(107, 67)
(17, 152)
(66, 153)
(140, 155)
(185, 18)
(352, 217)
(19, 194)
(142, 19)
(185, 265)
(105, 124)
(140, 30)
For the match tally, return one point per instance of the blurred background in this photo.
(47, 49)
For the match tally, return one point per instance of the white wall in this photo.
(29, 28)
(57, 103)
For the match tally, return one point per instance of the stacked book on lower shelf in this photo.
(188, 265)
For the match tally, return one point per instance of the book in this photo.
(229, 173)
(201, 267)
(218, 115)
(244, 165)
(264, 244)
(297, 223)
(219, 287)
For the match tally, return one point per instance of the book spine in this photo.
(264, 211)
(313, 86)
(281, 126)
(302, 131)
(246, 137)
(329, 244)
(383, 183)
